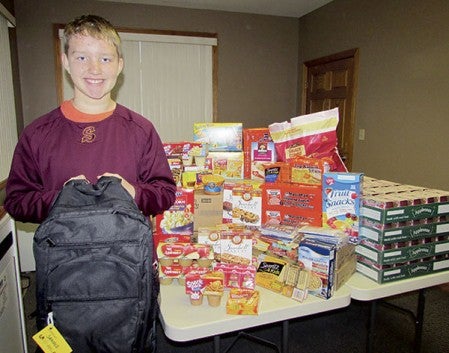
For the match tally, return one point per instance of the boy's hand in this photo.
(78, 177)
(128, 187)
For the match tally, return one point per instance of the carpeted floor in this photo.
(340, 331)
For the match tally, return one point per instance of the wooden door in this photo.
(330, 82)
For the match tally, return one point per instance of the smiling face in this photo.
(94, 66)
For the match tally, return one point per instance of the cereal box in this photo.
(341, 202)
(258, 148)
(221, 137)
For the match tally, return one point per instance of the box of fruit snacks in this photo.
(341, 202)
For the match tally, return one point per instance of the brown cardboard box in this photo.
(345, 271)
(208, 209)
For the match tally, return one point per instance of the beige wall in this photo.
(403, 87)
(257, 54)
(403, 84)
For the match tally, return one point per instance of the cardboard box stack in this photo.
(260, 219)
(404, 231)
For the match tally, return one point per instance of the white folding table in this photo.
(183, 322)
(364, 289)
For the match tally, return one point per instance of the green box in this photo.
(402, 272)
(404, 254)
(405, 213)
(375, 232)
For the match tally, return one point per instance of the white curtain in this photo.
(167, 79)
(8, 130)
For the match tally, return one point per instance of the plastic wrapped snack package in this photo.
(312, 135)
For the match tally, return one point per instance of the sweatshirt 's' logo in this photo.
(88, 135)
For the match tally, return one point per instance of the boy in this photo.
(90, 135)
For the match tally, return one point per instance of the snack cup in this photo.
(187, 160)
(165, 280)
(182, 281)
(165, 261)
(184, 262)
(213, 184)
(196, 298)
(200, 161)
(214, 300)
(204, 262)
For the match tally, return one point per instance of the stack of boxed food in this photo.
(281, 213)
(404, 231)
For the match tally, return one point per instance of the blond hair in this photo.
(94, 26)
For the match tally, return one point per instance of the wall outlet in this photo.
(361, 134)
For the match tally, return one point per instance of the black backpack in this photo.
(95, 272)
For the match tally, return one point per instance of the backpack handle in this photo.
(97, 189)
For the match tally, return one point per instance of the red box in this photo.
(291, 204)
(178, 219)
(258, 148)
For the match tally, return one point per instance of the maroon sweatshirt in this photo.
(53, 149)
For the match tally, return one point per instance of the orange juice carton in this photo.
(341, 202)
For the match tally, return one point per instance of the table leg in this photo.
(285, 327)
(217, 344)
(371, 327)
(419, 320)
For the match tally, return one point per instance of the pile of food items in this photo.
(272, 207)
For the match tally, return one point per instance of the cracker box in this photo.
(227, 164)
(242, 302)
(277, 172)
(221, 137)
(341, 202)
(271, 272)
(178, 219)
(319, 259)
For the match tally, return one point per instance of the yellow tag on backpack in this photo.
(50, 340)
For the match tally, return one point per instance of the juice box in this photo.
(341, 202)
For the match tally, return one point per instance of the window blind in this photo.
(166, 78)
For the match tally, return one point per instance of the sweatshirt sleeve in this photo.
(26, 199)
(156, 189)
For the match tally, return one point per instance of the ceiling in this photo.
(288, 8)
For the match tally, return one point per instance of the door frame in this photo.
(350, 122)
